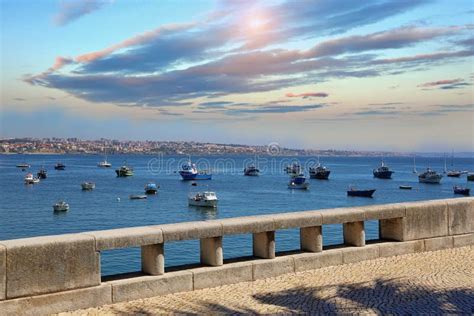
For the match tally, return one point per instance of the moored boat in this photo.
(29, 179)
(137, 197)
(189, 171)
(151, 188)
(453, 173)
(204, 199)
(383, 172)
(61, 206)
(42, 174)
(104, 164)
(319, 172)
(430, 176)
(23, 165)
(88, 186)
(251, 171)
(405, 187)
(360, 193)
(470, 177)
(124, 171)
(59, 166)
(294, 169)
(298, 182)
(460, 190)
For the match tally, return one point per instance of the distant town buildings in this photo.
(108, 146)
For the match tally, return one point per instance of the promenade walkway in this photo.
(422, 283)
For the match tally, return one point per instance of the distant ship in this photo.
(383, 172)
(430, 176)
(298, 182)
(360, 193)
(42, 174)
(451, 173)
(251, 171)
(294, 169)
(60, 166)
(461, 190)
(319, 172)
(204, 199)
(151, 188)
(124, 171)
(104, 164)
(189, 171)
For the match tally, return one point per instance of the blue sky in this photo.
(380, 74)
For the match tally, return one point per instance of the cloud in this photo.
(222, 55)
(307, 95)
(214, 104)
(447, 84)
(274, 109)
(71, 10)
(440, 82)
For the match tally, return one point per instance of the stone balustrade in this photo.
(57, 273)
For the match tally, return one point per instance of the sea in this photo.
(26, 210)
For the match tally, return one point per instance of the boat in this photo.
(59, 166)
(29, 179)
(88, 186)
(124, 171)
(23, 165)
(451, 173)
(189, 171)
(360, 193)
(298, 182)
(251, 171)
(461, 190)
(470, 177)
(137, 197)
(61, 206)
(383, 172)
(405, 187)
(151, 188)
(294, 169)
(42, 174)
(204, 199)
(430, 176)
(319, 172)
(104, 164)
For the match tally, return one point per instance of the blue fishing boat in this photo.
(189, 171)
(298, 182)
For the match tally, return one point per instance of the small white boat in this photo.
(23, 165)
(205, 199)
(104, 164)
(61, 206)
(87, 186)
(29, 179)
(138, 197)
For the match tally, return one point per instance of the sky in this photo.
(394, 75)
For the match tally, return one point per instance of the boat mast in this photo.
(445, 168)
(414, 165)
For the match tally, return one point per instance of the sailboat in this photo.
(414, 165)
(451, 173)
(104, 163)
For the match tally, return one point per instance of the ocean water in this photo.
(26, 210)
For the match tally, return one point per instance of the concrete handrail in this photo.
(40, 265)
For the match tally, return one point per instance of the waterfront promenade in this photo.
(436, 282)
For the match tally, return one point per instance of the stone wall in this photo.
(58, 273)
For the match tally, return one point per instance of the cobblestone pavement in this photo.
(436, 282)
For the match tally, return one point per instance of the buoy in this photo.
(118, 199)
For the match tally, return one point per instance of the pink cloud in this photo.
(307, 95)
(440, 83)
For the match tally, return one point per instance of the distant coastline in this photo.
(75, 146)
